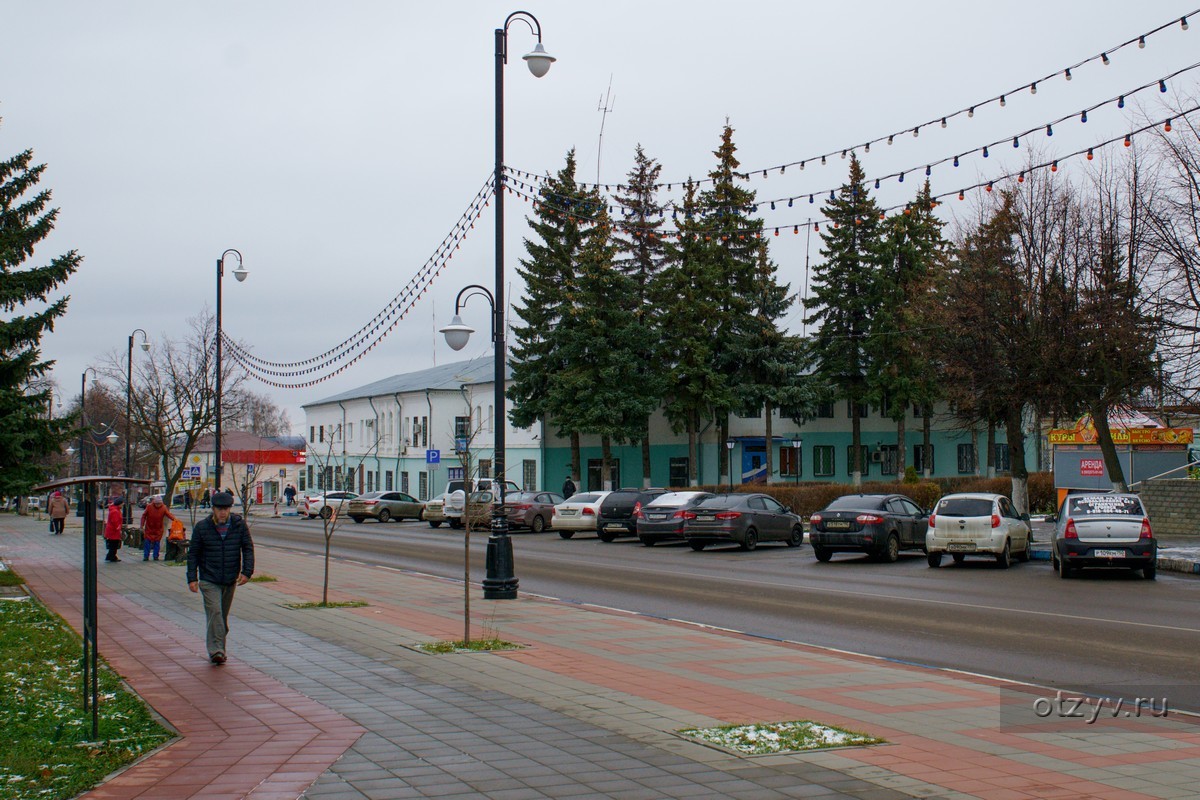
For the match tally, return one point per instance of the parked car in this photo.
(1104, 530)
(456, 497)
(532, 510)
(479, 511)
(743, 519)
(617, 510)
(577, 513)
(663, 518)
(977, 525)
(880, 525)
(323, 504)
(435, 510)
(385, 506)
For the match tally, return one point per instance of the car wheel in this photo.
(1064, 571)
(435, 523)
(958, 557)
(822, 554)
(934, 559)
(326, 512)
(646, 540)
(384, 515)
(538, 524)
(1024, 555)
(566, 534)
(1150, 571)
(456, 523)
(421, 515)
(751, 540)
(1004, 557)
(357, 520)
(697, 546)
(605, 536)
(891, 549)
(797, 537)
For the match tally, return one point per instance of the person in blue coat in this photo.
(220, 558)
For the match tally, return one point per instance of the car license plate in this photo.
(837, 525)
(703, 518)
(960, 546)
(1108, 553)
(567, 513)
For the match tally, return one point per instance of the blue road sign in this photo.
(433, 456)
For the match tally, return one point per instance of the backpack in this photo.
(177, 533)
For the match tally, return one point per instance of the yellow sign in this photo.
(1123, 436)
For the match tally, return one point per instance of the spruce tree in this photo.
(845, 297)
(641, 256)
(27, 432)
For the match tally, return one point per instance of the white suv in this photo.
(456, 497)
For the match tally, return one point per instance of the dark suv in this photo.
(617, 511)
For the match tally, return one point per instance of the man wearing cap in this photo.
(220, 559)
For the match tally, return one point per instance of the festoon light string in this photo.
(940, 121)
(374, 331)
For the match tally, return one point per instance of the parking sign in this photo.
(433, 456)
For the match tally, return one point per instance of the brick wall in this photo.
(1173, 505)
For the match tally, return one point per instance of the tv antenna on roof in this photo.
(605, 108)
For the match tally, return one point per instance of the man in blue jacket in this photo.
(220, 559)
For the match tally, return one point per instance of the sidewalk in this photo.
(338, 703)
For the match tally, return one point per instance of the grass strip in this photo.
(47, 750)
(473, 646)
(344, 604)
(779, 737)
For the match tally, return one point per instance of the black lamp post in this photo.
(129, 409)
(729, 443)
(240, 273)
(501, 581)
(797, 444)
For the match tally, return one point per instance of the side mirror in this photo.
(1025, 518)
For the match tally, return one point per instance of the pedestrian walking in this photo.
(153, 519)
(206, 499)
(568, 487)
(289, 494)
(220, 558)
(58, 507)
(112, 528)
(187, 499)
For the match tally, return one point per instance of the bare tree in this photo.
(257, 414)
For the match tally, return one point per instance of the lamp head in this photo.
(146, 345)
(112, 437)
(797, 443)
(729, 444)
(539, 60)
(457, 334)
(241, 272)
(70, 451)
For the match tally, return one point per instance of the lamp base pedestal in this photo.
(501, 581)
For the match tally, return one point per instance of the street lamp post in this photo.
(797, 444)
(240, 273)
(501, 581)
(129, 408)
(729, 443)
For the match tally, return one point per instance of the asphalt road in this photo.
(1101, 632)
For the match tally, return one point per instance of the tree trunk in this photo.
(901, 435)
(646, 455)
(1016, 459)
(1112, 464)
(855, 444)
(325, 582)
(574, 469)
(991, 449)
(768, 439)
(605, 461)
(927, 460)
(693, 453)
(724, 467)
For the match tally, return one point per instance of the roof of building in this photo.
(445, 376)
(240, 440)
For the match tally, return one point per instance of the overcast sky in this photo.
(335, 144)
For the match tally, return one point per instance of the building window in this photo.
(1001, 458)
(312, 433)
(310, 474)
(864, 459)
(349, 431)
(422, 483)
(485, 468)
(424, 431)
(891, 459)
(370, 481)
(823, 455)
(919, 458)
(885, 407)
(966, 459)
(387, 480)
(321, 434)
(491, 413)
(825, 410)
(863, 410)
(479, 417)
(349, 484)
(678, 473)
(462, 428)
(750, 413)
(791, 460)
(529, 475)
(404, 482)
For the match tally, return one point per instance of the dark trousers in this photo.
(113, 546)
(58, 523)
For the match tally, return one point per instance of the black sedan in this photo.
(880, 525)
(741, 519)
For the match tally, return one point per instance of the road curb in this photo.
(1165, 564)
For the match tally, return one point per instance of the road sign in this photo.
(433, 456)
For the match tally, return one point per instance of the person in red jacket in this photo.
(152, 526)
(112, 528)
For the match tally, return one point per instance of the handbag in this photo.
(177, 533)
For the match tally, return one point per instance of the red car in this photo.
(532, 510)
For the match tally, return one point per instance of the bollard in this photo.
(276, 508)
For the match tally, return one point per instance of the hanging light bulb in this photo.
(831, 194)
(1003, 102)
(772, 205)
(877, 183)
(822, 161)
(1121, 101)
(916, 132)
(783, 169)
(1033, 88)
(989, 186)
(961, 195)
(1167, 126)
(956, 161)
(1141, 42)
(795, 229)
(928, 170)
(1067, 73)
(1083, 116)
(889, 140)
(801, 166)
(777, 231)
(943, 122)
(790, 202)
(1162, 86)
(1054, 166)
(816, 226)
(1049, 130)
(867, 147)
(1183, 23)
(881, 215)
(764, 173)
(985, 151)
(1128, 139)
(901, 177)
(971, 112)
(1089, 154)
(1021, 177)
(1016, 142)
(810, 198)
(1104, 58)
(843, 155)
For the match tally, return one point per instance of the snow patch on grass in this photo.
(779, 737)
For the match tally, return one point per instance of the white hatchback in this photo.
(977, 525)
(578, 513)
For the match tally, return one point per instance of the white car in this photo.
(435, 513)
(456, 498)
(977, 525)
(323, 504)
(578, 513)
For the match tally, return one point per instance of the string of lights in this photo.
(984, 150)
(1052, 164)
(941, 121)
(442, 254)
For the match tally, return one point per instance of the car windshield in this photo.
(856, 502)
(726, 501)
(675, 498)
(965, 507)
(1106, 505)
(583, 498)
